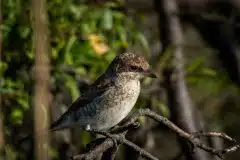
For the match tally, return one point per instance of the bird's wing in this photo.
(95, 90)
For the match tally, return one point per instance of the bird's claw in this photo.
(106, 134)
(136, 124)
(113, 128)
(115, 143)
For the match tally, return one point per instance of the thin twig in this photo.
(94, 152)
(213, 134)
(120, 138)
(181, 133)
(108, 143)
(110, 153)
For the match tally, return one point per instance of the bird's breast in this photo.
(119, 103)
(112, 107)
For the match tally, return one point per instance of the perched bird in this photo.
(110, 98)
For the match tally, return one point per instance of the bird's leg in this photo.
(104, 133)
(113, 128)
(117, 129)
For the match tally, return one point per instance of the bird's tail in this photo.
(30, 137)
(54, 127)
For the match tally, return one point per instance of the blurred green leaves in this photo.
(107, 21)
(84, 38)
(72, 86)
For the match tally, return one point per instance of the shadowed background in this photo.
(51, 50)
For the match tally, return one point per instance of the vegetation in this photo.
(84, 37)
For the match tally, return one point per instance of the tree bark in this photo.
(182, 111)
(42, 80)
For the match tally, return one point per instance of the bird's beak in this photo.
(149, 73)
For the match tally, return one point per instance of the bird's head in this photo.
(132, 66)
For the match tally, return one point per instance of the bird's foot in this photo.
(112, 130)
(119, 129)
(104, 133)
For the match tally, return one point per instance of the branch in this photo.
(108, 143)
(110, 154)
(120, 138)
(213, 134)
(94, 152)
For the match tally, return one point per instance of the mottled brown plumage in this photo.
(110, 98)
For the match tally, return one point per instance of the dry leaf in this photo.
(98, 44)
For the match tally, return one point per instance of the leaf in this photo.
(107, 21)
(7, 90)
(24, 31)
(98, 44)
(81, 71)
(23, 102)
(75, 11)
(85, 29)
(165, 60)
(16, 116)
(195, 64)
(162, 107)
(118, 16)
(142, 39)
(72, 86)
(68, 55)
(30, 54)
(209, 72)
(54, 53)
(3, 67)
(123, 36)
(9, 83)
(111, 4)
(11, 154)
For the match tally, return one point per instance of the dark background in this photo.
(194, 41)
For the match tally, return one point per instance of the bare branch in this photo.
(214, 134)
(108, 143)
(93, 153)
(120, 138)
(110, 154)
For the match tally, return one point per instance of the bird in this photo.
(110, 98)
(106, 102)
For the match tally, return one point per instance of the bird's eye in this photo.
(133, 68)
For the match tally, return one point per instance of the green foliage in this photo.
(204, 78)
(10, 153)
(164, 110)
(84, 38)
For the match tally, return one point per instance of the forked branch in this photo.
(118, 134)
